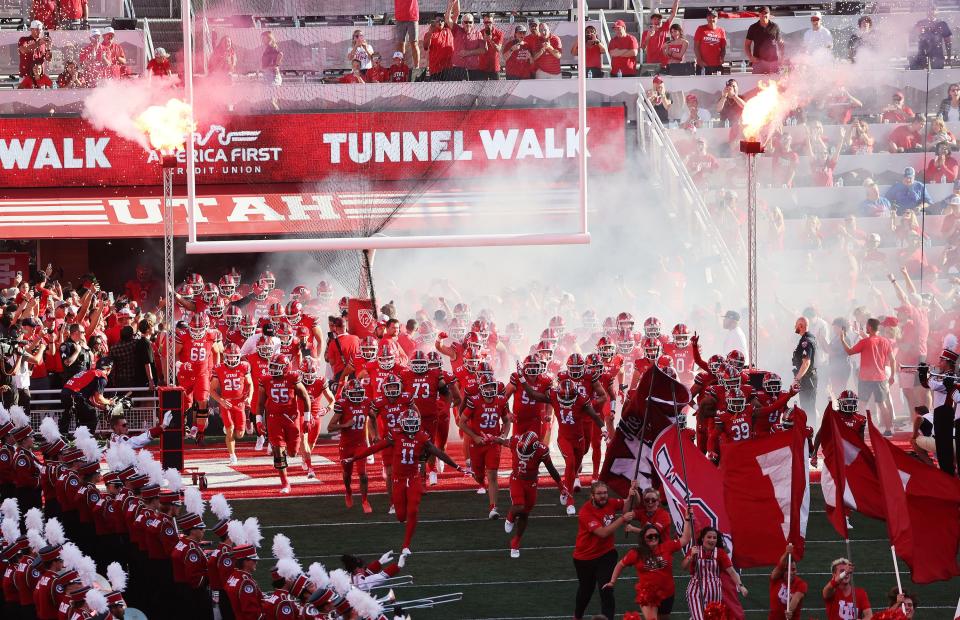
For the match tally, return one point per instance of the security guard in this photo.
(805, 370)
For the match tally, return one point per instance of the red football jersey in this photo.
(424, 388)
(682, 361)
(315, 390)
(570, 418)
(232, 380)
(730, 427)
(483, 416)
(584, 383)
(527, 469)
(197, 351)
(281, 395)
(388, 412)
(356, 415)
(407, 452)
(525, 409)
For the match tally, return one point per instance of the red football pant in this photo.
(523, 495)
(482, 458)
(283, 431)
(592, 437)
(440, 433)
(233, 414)
(196, 387)
(406, 499)
(572, 449)
(704, 430)
(351, 450)
(528, 424)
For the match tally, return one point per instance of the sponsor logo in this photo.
(219, 149)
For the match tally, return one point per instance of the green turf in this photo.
(473, 556)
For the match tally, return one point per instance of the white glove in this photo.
(386, 557)
(259, 419)
(402, 561)
(167, 419)
(307, 417)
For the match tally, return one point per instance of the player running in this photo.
(350, 413)
(278, 403)
(484, 420)
(232, 388)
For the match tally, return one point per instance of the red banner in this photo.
(278, 148)
(10, 264)
(361, 321)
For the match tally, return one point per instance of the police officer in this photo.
(83, 394)
(805, 370)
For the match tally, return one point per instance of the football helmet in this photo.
(210, 292)
(186, 291)
(419, 363)
(736, 358)
(227, 285)
(550, 336)
(527, 445)
(532, 367)
(294, 312)
(231, 355)
(484, 368)
(216, 308)
(275, 313)
(606, 349)
(309, 370)
(488, 386)
(368, 348)
(266, 347)
(434, 359)
(848, 402)
(278, 365)
(651, 327)
(481, 328)
(344, 305)
(409, 423)
(269, 279)
(652, 349)
(625, 322)
(664, 362)
(248, 327)
(235, 274)
(143, 273)
(462, 311)
(609, 326)
(300, 293)
(198, 325)
(558, 325)
(715, 364)
(681, 335)
(588, 320)
(285, 333)
(232, 317)
(386, 360)
(625, 342)
(324, 292)
(575, 366)
(729, 377)
(736, 401)
(425, 333)
(196, 280)
(567, 393)
(513, 333)
(354, 391)
(545, 350)
(260, 290)
(392, 386)
(457, 329)
(594, 365)
(473, 342)
(772, 383)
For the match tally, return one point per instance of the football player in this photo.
(445, 404)
(682, 353)
(232, 388)
(389, 405)
(485, 417)
(279, 404)
(319, 394)
(259, 362)
(529, 415)
(305, 327)
(848, 405)
(424, 384)
(198, 350)
(350, 413)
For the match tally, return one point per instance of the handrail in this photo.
(147, 37)
(143, 415)
(688, 189)
(605, 35)
(128, 10)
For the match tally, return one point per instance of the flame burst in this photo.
(166, 127)
(761, 110)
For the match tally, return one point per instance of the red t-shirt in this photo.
(398, 73)
(377, 74)
(594, 56)
(589, 546)
(625, 65)
(490, 60)
(652, 43)
(778, 597)
(350, 78)
(848, 607)
(30, 58)
(905, 138)
(655, 572)
(28, 83)
(159, 66)
(947, 172)
(547, 63)
(440, 44)
(712, 42)
(874, 352)
(518, 63)
(406, 10)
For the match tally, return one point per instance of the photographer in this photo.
(517, 55)
(944, 167)
(75, 353)
(19, 361)
(595, 50)
(83, 395)
(489, 68)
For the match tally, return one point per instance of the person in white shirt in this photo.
(693, 114)
(818, 39)
(734, 338)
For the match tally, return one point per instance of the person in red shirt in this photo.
(424, 384)
(378, 73)
(907, 138)
(710, 46)
(779, 605)
(46, 12)
(354, 77)
(118, 58)
(398, 72)
(409, 446)
(34, 48)
(232, 388)
(438, 43)
(594, 554)
(518, 55)
(546, 54)
(320, 398)
(594, 52)
(407, 17)
(655, 36)
(69, 77)
(944, 167)
(701, 164)
(74, 10)
(898, 111)
(624, 50)
(350, 414)
(485, 418)
(198, 349)
(653, 559)
(844, 601)
(651, 512)
(493, 45)
(159, 65)
(36, 80)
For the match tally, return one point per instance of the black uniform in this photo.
(807, 349)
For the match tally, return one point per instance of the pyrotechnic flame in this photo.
(761, 110)
(167, 127)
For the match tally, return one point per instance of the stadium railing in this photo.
(143, 415)
(335, 8)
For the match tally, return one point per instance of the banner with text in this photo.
(291, 148)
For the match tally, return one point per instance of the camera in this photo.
(10, 346)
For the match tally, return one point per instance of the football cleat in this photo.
(571, 510)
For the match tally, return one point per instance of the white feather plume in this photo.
(173, 478)
(87, 570)
(236, 533)
(193, 501)
(252, 528)
(364, 604)
(127, 455)
(49, 430)
(10, 509)
(318, 576)
(96, 601)
(34, 520)
(90, 449)
(281, 547)
(80, 432)
(289, 568)
(4, 414)
(36, 540)
(19, 417)
(10, 530)
(71, 554)
(113, 457)
(950, 342)
(341, 581)
(117, 577)
(149, 467)
(220, 507)
(54, 532)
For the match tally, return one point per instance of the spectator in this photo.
(874, 205)
(115, 54)
(398, 72)
(675, 49)
(270, 59)
(19, 366)
(94, 61)
(124, 359)
(546, 56)
(650, 512)
(69, 78)
(341, 350)
(144, 368)
(939, 133)
(944, 206)
(785, 160)
(623, 51)
(694, 115)
(897, 112)
(838, 362)
(730, 105)
(901, 607)
(734, 337)
(706, 561)
(159, 66)
(660, 99)
(908, 194)
(876, 355)
(489, 68)
(33, 48)
(701, 164)
(840, 107)
(933, 42)
(468, 43)
(223, 60)
(75, 353)
(839, 595)
(913, 316)
(379, 73)
(519, 58)
(438, 43)
(360, 51)
(822, 164)
(860, 140)
(780, 605)
(710, 46)
(123, 318)
(805, 370)
(817, 144)
(407, 339)
(655, 36)
(818, 40)
(355, 76)
(949, 109)
(863, 38)
(908, 138)
(47, 12)
(406, 13)
(36, 80)
(943, 168)
(764, 45)
(595, 50)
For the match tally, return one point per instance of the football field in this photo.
(456, 549)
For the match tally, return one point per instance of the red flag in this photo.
(658, 397)
(849, 473)
(766, 490)
(705, 487)
(361, 320)
(923, 511)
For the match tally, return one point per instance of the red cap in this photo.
(112, 477)
(691, 97)
(137, 481)
(51, 553)
(115, 598)
(244, 552)
(949, 356)
(89, 468)
(890, 321)
(619, 24)
(220, 528)
(52, 450)
(126, 473)
(19, 434)
(5, 429)
(190, 521)
(657, 79)
(150, 491)
(168, 497)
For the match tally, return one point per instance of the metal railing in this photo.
(143, 415)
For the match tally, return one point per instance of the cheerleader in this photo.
(706, 561)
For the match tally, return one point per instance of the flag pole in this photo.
(850, 557)
(683, 462)
(643, 428)
(789, 568)
(896, 571)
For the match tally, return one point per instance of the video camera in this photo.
(10, 346)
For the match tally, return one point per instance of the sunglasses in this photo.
(652, 537)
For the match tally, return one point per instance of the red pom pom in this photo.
(716, 611)
(632, 615)
(650, 596)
